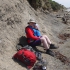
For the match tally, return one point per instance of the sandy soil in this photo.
(14, 15)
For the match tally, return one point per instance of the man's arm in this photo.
(31, 34)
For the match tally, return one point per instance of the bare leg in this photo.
(47, 39)
(52, 46)
(45, 43)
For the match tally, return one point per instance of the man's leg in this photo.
(35, 43)
(52, 46)
(38, 42)
(45, 43)
(48, 40)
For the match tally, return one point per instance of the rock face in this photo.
(14, 15)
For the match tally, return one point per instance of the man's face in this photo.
(32, 24)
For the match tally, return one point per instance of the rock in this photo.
(14, 16)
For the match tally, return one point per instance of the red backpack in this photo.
(26, 56)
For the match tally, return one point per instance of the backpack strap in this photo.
(26, 60)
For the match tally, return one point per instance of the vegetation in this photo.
(45, 5)
(55, 6)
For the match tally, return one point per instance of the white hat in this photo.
(31, 21)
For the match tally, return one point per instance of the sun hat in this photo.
(31, 21)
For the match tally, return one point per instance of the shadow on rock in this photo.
(22, 41)
(19, 62)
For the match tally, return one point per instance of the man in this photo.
(35, 41)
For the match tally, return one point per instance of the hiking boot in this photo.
(52, 46)
(50, 52)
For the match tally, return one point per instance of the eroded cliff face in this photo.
(14, 15)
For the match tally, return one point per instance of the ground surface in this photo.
(14, 15)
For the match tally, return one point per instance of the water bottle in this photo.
(41, 65)
(44, 68)
(44, 64)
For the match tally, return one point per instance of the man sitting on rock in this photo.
(37, 40)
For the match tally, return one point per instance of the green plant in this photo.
(55, 6)
(45, 4)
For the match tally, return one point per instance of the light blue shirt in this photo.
(36, 32)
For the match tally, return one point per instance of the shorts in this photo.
(35, 43)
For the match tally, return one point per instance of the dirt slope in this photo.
(14, 15)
